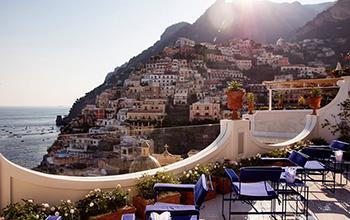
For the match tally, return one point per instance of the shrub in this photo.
(145, 184)
(191, 176)
(319, 141)
(341, 123)
(67, 210)
(98, 202)
(217, 169)
(315, 92)
(235, 86)
(26, 210)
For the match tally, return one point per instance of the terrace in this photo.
(237, 139)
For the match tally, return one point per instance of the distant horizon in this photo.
(52, 53)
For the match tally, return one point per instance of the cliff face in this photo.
(259, 20)
(332, 23)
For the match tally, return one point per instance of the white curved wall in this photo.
(18, 182)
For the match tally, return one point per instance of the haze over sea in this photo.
(27, 132)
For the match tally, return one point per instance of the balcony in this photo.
(237, 140)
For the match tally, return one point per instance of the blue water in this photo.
(27, 132)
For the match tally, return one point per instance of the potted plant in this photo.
(223, 183)
(191, 177)
(315, 99)
(26, 209)
(251, 102)
(280, 98)
(144, 187)
(235, 94)
(104, 205)
(301, 102)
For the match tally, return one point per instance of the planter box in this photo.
(188, 197)
(114, 215)
(140, 203)
(223, 185)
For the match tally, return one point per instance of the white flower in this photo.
(91, 204)
(196, 168)
(30, 200)
(72, 211)
(119, 186)
(45, 205)
(68, 201)
(37, 216)
(57, 214)
(190, 171)
(129, 190)
(196, 172)
(53, 209)
(66, 214)
(98, 190)
(163, 177)
(187, 175)
(184, 172)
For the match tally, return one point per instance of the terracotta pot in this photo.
(315, 103)
(114, 215)
(140, 203)
(234, 102)
(223, 185)
(187, 198)
(251, 107)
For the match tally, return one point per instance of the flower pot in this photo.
(117, 215)
(251, 108)
(234, 102)
(188, 197)
(140, 203)
(223, 185)
(315, 103)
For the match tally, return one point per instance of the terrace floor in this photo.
(323, 205)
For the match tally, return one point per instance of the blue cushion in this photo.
(173, 187)
(316, 153)
(255, 191)
(257, 174)
(314, 165)
(174, 209)
(51, 217)
(297, 158)
(128, 217)
(340, 145)
(232, 175)
(200, 191)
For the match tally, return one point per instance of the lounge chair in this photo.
(254, 184)
(179, 211)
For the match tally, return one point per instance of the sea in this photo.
(27, 132)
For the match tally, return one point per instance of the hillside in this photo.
(259, 20)
(332, 23)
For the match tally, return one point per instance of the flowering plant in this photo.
(217, 169)
(146, 183)
(67, 210)
(191, 176)
(98, 202)
(26, 210)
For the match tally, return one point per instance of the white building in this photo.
(244, 64)
(180, 96)
(182, 41)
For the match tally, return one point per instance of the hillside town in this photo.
(184, 85)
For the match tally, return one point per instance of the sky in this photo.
(53, 52)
